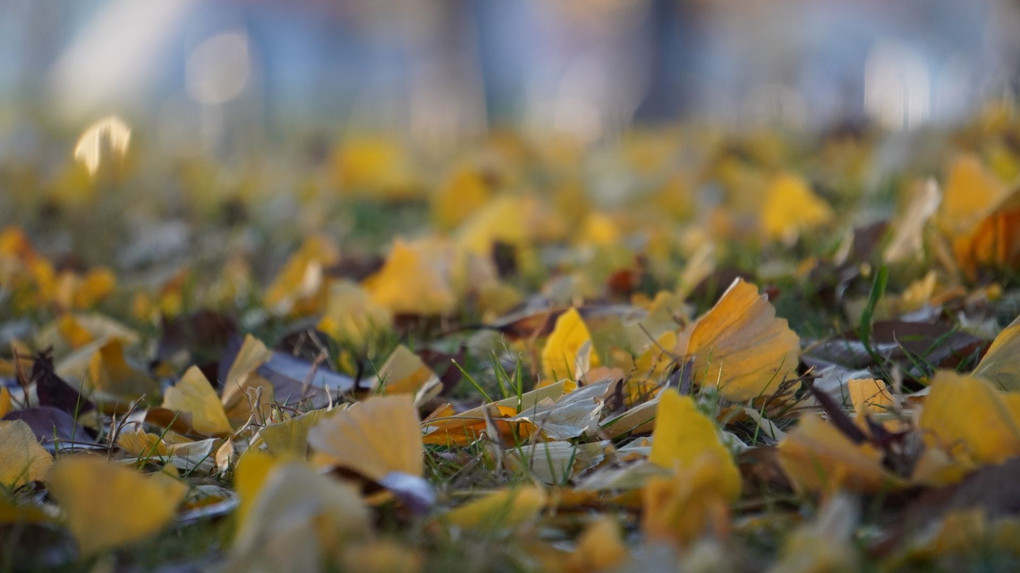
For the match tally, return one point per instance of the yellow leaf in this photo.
(110, 373)
(598, 229)
(297, 520)
(999, 364)
(298, 286)
(22, 459)
(408, 283)
(72, 331)
(291, 436)
(12, 513)
(505, 508)
(870, 397)
(563, 349)
(5, 401)
(108, 505)
(142, 444)
(502, 219)
(243, 383)
(374, 437)
(249, 475)
(351, 316)
(817, 457)
(194, 395)
(599, 548)
(740, 346)
(791, 207)
(463, 194)
(908, 230)
(403, 372)
(682, 507)
(967, 417)
(971, 193)
(683, 435)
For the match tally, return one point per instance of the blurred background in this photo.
(201, 74)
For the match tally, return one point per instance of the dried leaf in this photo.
(740, 346)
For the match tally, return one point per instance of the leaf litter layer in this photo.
(683, 349)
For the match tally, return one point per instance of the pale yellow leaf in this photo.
(373, 438)
(194, 395)
(502, 509)
(109, 505)
(22, 459)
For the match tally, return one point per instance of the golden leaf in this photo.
(403, 372)
(506, 508)
(563, 349)
(740, 346)
(109, 505)
(243, 384)
(22, 459)
(194, 395)
(817, 457)
(791, 207)
(682, 507)
(351, 316)
(374, 437)
(1000, 364)
(408, 283)
(110, 373)
(683, 435)
(600, 547)
(967, 417)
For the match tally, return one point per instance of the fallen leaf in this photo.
(817, 457)
(790, 208)
(967, 417)
(407, 265)
(503, 509)
(740, 346)
(599, 548)
(296, 521)
(194, 395)
(999, 364)
(562, 353)
(22, 459)
(108, 505)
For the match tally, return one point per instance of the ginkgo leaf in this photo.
(22, 459)
(89, 149)
(791, 207)
(291, 436)
(465, 192)
(409, 283)
(562, 355)
(108, 505)
(298, 285)
(558, 461)
(995, 242)
(740, 346)
(1000, 364)
(242, 384)
(872, 398)
(817, 457)
(446, 427)
(599, 548)
(194, 395)
(908, 231)
(404, 372)
(373, 438)
(967, 417)
(351, 316)
(297, 519)
(252, 469)
(683, 435)
(110, 374)
(971, 193)
(503, 509)
(571, 415)
(682, 507)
